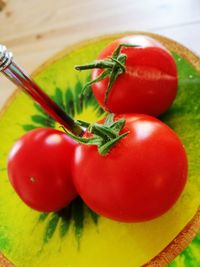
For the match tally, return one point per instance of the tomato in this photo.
(39, 168)
(140, 178)
(149, 83)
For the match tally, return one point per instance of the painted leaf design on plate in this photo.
(73, 102)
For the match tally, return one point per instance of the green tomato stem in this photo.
(101, 64)
(104, 136)
(113, 67)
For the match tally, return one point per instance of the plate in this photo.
(76, 236)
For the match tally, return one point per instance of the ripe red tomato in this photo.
(140, 178)
(149, 83)
(39, 168)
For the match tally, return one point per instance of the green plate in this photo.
(76, 236)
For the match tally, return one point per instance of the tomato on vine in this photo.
(134, 74)
(39, 169)
(133, 168)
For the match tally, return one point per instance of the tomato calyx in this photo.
(104, 136)
(113, 65)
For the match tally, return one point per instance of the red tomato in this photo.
(149, 84)
(39, 168)
(140, 178)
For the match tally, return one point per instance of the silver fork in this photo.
(13, 72)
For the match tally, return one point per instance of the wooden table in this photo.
(34, 30)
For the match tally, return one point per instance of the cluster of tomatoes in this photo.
(134, 167)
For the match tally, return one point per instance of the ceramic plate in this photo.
(76, 236)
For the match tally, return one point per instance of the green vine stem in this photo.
(104, 136)
(113, 66)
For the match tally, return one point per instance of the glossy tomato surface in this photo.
(140, 178)
(149, 84)
(39, 168)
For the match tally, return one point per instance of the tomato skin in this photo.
(140, 178)
(148, 86)
(39, 168)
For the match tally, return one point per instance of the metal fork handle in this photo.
(13, 72)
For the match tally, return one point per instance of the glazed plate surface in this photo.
(77, 237)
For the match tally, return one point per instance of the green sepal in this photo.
(116, 126)
(87, 141)
(104, 149)
(103, 75)
(120, 61)
(113, 65)
(109, 119)
(104, 136)
(102, 130)
(116, 53)
(116, 71)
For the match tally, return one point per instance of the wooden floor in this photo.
(36, 29)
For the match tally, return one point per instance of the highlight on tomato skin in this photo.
(149, 83)
(140, 178)
(39, 169)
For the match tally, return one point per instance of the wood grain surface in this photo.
(35, 30)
